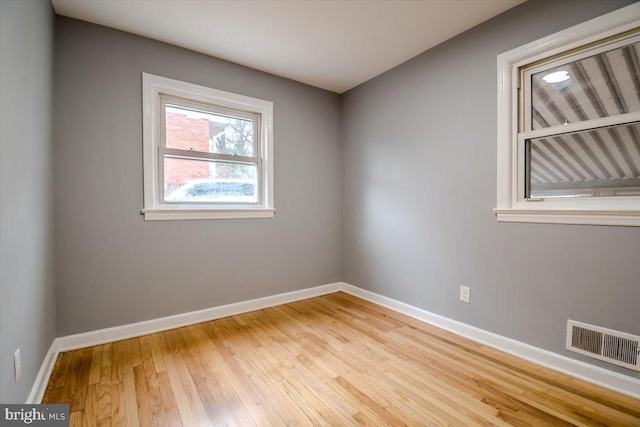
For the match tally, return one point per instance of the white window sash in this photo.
(190, 154)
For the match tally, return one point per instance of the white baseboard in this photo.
(117, 333)
(590, 373)
(40, 384)
(594, 374)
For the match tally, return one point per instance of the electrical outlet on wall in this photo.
(465, 294)
(17, 364)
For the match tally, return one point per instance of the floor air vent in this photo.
(605, 344)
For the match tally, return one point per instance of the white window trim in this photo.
(154, 208)
(509, 208)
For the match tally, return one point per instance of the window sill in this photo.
(191, 214)
(585, 217)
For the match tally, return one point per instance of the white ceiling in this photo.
(334, 45)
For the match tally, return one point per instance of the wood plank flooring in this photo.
(334, 360)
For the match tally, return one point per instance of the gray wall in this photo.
(416, 156)
(27, 294)
(112, 267)
(420, 184)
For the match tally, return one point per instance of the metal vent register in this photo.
(611, 346)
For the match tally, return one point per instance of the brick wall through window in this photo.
(186, 133)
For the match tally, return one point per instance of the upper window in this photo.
(569, 125)
(207, 153)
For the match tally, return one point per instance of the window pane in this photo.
(188, 129)
(203, 180)
(594, 87)
(600, 162)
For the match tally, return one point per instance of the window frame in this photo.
(511, 204)
(156, 91)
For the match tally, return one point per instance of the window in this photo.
(208, 154)
(569, 125)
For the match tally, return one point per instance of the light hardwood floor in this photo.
(329, 361)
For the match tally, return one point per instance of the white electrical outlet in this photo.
(465, 294)
(17, 364)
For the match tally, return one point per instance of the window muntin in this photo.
(208, 154)
(518, 133)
